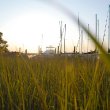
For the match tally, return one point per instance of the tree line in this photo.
(3, 44)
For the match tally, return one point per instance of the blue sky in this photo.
(12, 12)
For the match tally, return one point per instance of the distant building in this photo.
(50, 51)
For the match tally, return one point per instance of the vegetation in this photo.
(3, 44)
(57, 83)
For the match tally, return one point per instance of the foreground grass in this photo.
(57, 83)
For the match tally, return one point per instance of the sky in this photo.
(29, 24)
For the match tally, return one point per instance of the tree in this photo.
(3, 44)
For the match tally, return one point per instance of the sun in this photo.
(32, 29)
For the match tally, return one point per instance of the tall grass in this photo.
(58, 83)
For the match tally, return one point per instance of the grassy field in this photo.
(56, 83)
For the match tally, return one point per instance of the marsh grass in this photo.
(58, 83)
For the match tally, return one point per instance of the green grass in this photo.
(58, 83)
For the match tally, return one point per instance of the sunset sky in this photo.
(28, 24)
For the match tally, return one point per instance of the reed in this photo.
(71, 83)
